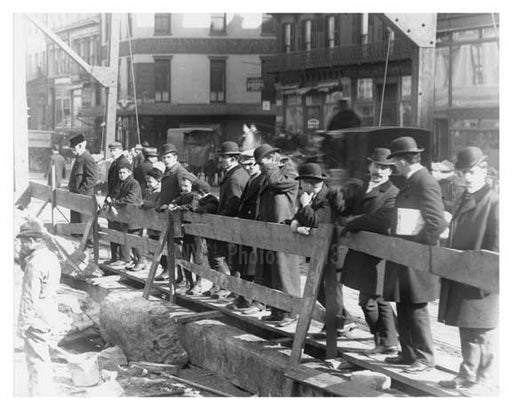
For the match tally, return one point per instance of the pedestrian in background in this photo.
(410, 289)
(82, 178)
(138, 158)
(59, 162)
(38, 306)
(140, 171)
(474, 226)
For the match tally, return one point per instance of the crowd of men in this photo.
(262, 184)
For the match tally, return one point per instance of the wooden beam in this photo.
(154, 264)
(67, 228)
(143, 243)
(420, 28)
(145, 218)
(263, 235)
(84, 204)
(24, 199)
(247, 289)
(475, 268)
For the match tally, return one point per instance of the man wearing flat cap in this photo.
(82, 178)
(173, 175)
(38, 306)
(410, 289)
(277, 204)
(474, 226)
(372, 210)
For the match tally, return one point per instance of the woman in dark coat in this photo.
(474, 226)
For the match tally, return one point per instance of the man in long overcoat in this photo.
(410, 289)
(277, 204)
(231, 186)
(82, 178)
(372, 211)
(474, 226)
(60, 167)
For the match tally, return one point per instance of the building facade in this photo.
(191, 70)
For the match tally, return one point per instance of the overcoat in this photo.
(249, 198)
(375, 209)
(128, 192)
(171, 181)
(113, 181)
(401, 283)
(474, 226)
(231, 188)
(82, 178)
(277, 198)
(139, 173)
(318, 211)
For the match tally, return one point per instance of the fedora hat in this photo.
(150, 152)
(262, 151)
(31, 229)
(75, 140)
(229, 148)
(469, 157)
(311, 171)
(380, 156)
(168, 148)
(404, 145)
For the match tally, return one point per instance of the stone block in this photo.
(111, 358)
(144, 330)
(372, 380)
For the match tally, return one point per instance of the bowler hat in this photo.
(469, 157)
(150, 152)
(168, 148)
(31, 229)
(404, 145)
(229, 148)
(155, 173)
(115, 144)
(380, 156)
(262, 151)
(311, 171)
(75, 140)
(202, 186)
(138, 146)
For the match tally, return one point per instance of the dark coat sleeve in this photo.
(88, 181)
(378, 220)
(208, 205)
(234, 189)
(432, 211)
(312, 216)
(131, 195)
(491, 238)
(281, 180)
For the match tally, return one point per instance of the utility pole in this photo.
(106, 76)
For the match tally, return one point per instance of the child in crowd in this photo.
(151, 201)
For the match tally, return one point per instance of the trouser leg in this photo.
(404, 331)
(114, 247)
(370, 309)
(421, 333)
(125, 250)
(136, 251)
(39, 365)
(386, 329)
(342, 315)
(285, 276)
(478, 348)
(488, 370)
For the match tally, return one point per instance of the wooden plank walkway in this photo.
(351, 347)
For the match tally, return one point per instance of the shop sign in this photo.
(313, 124)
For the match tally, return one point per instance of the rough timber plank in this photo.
(263, 235)
(145, 218)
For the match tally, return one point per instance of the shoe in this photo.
(272, 318)
(110, 261)
(130, 265)
(195, 290)
(214, 289)
(418, 367)
(456, 383)
(221, 294)
(255, 307)
(287, 321)
(162, 277)
(240, 304)
(119, 264)
(383, 350)
(399, 359)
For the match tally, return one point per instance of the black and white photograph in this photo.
(280, 201)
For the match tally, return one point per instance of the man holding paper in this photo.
(409, 288)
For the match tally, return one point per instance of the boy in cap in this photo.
(140, 170)
(474, 226)
(151, 201)
(128, 192)
(38, 305)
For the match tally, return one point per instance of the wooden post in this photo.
(154, 263)
(423, 69)
(331, 308)
(54, 201)
(110, 129)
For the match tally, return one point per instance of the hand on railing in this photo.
(162, 208)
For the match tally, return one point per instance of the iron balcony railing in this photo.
(339, 56)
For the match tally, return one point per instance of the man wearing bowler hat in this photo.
(474, 226)
(38, 306)
(372, 210)
(410, 289)
(277, 198)
(231, 186)
(82, 178)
